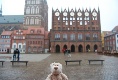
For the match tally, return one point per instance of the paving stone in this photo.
(39, 69)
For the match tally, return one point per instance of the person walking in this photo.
(64, 50)
(18, 52)
(14, 55)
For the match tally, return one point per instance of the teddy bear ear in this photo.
(51, 64)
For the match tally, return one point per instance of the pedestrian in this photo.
(96, 51)
(18, 52)
(14, 55)
(64, 50)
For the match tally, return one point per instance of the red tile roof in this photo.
(23, 31)
(36, 30)
(6, 32)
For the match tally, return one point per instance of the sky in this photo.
(108, 9)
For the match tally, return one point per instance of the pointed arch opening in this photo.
(72, 48)
(65, 46)
(88, 48)
(57, 49)
(95, 47)
(80, 48)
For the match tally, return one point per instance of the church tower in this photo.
(36, 14)
(1, 8)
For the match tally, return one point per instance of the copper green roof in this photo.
(11, 19)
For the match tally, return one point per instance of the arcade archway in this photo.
(80, 48)
(72, 48)
(88, 48)
(57, 49)
(95, 47)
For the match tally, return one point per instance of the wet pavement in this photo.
(38, 67)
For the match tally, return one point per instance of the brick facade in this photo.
(77, 30)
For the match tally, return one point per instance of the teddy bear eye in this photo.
(57, 65)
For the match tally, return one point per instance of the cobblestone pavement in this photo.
(38, 70)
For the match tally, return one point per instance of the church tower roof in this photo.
(1, 10)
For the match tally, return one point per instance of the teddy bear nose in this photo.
(55, 68)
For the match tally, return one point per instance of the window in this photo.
(37, 1)
(80, 18)
(85, 22)
(57, 36)
(80, 22)
(64, 36)
(14, 47)
(66, 22)
(72, 37)
(36, 20)
(95, 37)
(37, 10)
(71, 23)
(20, 46)
(64, 18)
(31, 31)
(32, 20)
(27, 20)
(27, 10)
(79, 36)
(32, 10)
(87, 36)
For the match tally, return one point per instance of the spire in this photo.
(61, 9)
(98, 9)
(1, 10)
(89, 9)
(68, 9)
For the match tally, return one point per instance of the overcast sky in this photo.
(108, 9)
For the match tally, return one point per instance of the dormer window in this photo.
(38, 31)
(31, 31)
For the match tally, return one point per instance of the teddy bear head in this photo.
(56, 68)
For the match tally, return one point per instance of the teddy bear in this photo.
(56, 72)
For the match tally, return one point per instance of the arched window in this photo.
(27, 20)
(36, 20)
(28, 10)
(32, 20)
(32, 10)
(37, 10)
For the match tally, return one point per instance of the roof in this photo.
(11, 19)
(115, 29)
(6, 32)
(20, 31)
(111, 34)
(35, 30)
(106, 32)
